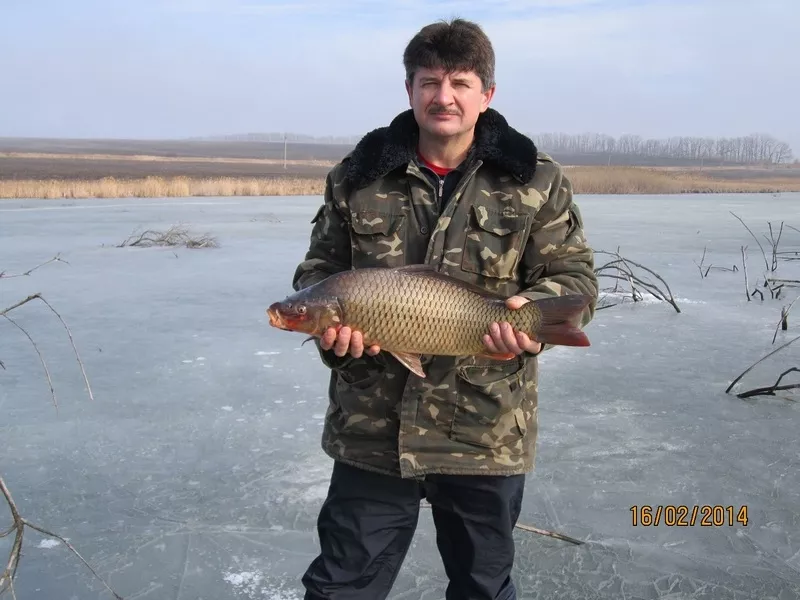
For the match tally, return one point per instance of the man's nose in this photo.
(444, 95)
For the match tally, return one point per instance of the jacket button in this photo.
(423, 230)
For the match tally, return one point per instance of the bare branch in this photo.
(631, 277)
(56, 258)
(553, 534)
(766, 264)
(74, 349)
(41, 358)
(775, 387)
(66, 327)
(174, 236)
(75, 552)
(744, 266)
(793, 282)
(18, 522)
(16, 549)
(751, 367)
(700, 266)
(783, 322)
(532, 529)
(5, 311)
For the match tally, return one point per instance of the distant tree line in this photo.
(752, 149)
(296, 138)
(756, 148)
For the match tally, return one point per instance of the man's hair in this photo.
(458, 45)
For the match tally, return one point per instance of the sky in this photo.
(181, 68)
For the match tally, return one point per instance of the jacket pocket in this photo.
(489, 404)
(494, 242)
(377, 239)
(358, 400)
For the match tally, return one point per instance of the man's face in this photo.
(447, 104)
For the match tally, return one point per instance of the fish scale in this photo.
(418, 312)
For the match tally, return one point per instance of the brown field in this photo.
(102, 169)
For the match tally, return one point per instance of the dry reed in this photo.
(654, 180)
(161, 187)
(585, 180)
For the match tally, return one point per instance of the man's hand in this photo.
(502, 339)
(347, 340)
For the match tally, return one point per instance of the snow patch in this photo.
(48, 544)
(253, 585)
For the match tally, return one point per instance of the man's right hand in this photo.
(347, 340)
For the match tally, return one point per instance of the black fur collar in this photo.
(387, 148)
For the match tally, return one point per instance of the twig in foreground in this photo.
(762, 359)
(766, 264)
(532, 529)
(7, 577)
(775, 387)
(784, 320)
(553, 534)
(41, 358)
(56, 258)
(4, 312)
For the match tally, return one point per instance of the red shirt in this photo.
(440, 171)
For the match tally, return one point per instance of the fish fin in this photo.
(411, 362)
(426, 270)
(561, 320)
(507, 356)
(308, 339)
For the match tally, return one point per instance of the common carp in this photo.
(415, 310)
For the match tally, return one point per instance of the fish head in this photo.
(305, 315)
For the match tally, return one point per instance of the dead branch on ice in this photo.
(537, 530)
(775, 387)
(706, 269)
(56, 258)
(19, 523)
(619, 269)
(783, 322)
(174, 236)
(766, 390)
(766, 264)
(744, 267)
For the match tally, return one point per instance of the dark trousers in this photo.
(368, 520)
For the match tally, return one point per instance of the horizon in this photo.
(182, 69)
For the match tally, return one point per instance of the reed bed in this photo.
(585, 180)
(161, 187)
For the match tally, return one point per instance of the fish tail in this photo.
(561, 320)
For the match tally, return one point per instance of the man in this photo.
(447, 183)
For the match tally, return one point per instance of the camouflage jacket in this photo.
(511, 226)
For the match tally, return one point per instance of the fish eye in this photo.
(301, 309)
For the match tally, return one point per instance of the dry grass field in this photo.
(103, 169)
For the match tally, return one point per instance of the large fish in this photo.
(415, 310)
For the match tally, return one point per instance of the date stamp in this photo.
(682, 515)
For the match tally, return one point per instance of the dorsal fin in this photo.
(426, 270)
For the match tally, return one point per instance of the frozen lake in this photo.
(196, 472)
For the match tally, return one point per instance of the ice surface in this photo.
(196, 473)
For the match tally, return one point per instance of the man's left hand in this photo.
(502, 339)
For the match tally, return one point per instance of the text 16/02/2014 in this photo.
(682, 515)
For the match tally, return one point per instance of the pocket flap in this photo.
(369, 222)
(498, 223)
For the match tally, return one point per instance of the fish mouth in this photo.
(275, 318)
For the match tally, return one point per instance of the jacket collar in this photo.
(387, 148)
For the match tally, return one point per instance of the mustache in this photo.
(441, 110)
